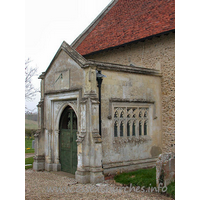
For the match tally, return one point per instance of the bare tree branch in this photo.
(30, 91)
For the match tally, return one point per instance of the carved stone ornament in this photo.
(135, 140)
(37, 133)
(59, 104)
(39, 158)
(80, 137)
(121, 142)
(96, 138)
(74, 104)
(109, 116)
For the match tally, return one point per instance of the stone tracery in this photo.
(130, 121)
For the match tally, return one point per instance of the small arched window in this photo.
(140, 128)
(145, 128)
(121, 129)
(133, 129)
(115, 129)
(128, 128)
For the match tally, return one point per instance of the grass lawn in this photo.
(30, 124)
(29, 161)
(143, 178)
(28, 144)
(171, 189)
(29, 150)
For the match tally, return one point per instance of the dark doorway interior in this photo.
(68, 145)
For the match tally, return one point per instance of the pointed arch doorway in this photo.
(68, 145)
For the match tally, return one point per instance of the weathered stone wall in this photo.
(72, 74)
(64, 74)
(66, 83)
(158, 53)
(130, 90)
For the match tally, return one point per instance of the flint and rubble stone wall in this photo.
(158, 53)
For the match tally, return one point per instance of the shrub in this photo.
(29, 133)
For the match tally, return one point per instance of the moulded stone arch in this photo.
(60, 111)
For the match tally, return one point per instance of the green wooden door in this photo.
(68, 145)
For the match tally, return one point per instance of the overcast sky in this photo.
(49, 23)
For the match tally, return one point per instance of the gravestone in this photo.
(165, 169)
(33, 144)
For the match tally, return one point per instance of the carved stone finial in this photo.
(37, 133)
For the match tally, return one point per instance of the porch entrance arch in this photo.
(67, 138)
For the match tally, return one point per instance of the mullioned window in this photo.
(130, 121)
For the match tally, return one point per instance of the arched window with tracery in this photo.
(130, 121)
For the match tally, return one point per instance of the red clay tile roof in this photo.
(127, 21)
